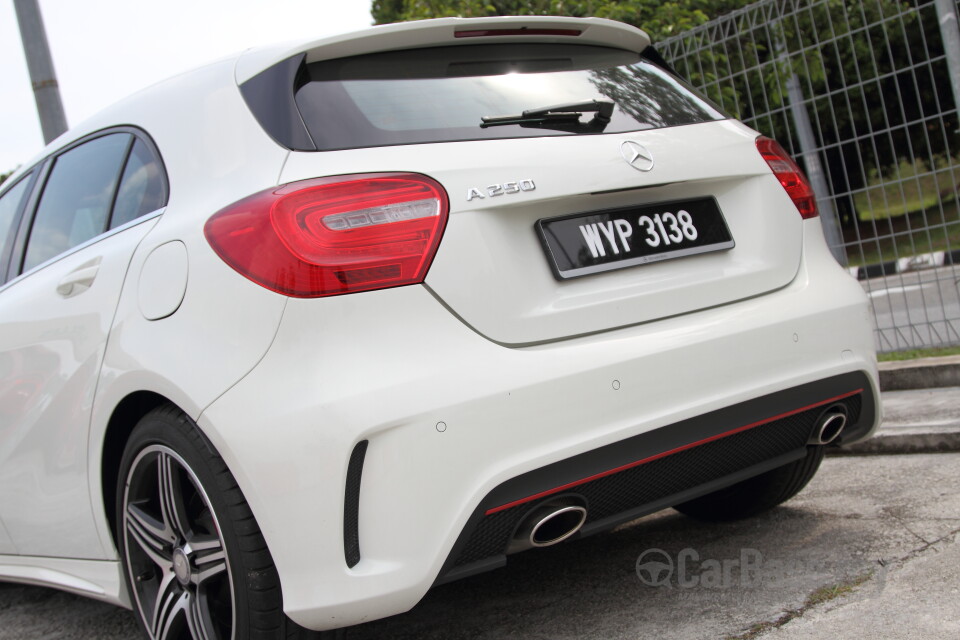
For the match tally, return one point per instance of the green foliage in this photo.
(659, 19)
(850, 63)
(4, 176)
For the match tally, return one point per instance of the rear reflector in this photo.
(330, 236)
(522, 31)
(789, 175)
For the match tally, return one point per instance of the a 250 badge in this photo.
(504, 189)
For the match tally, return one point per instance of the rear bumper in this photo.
(664, 467)
(451, 418)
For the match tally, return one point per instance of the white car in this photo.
(348, 318)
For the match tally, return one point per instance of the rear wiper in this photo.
(563, 117)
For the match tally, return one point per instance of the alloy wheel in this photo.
(175, 552)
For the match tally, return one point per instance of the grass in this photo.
(936, 228)
(906, 211)
(910, 186)
(816, 597)
(913, 354)
(834, 591)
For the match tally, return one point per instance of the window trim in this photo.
(11, 266)
(7, 250)
(143, 137)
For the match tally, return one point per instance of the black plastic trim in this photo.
(7, 249)
(677, 435)
(271, 97)
(351, 505)
(651, 54)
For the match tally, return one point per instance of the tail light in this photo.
(521, 31)
(789, 175)
(330, 236)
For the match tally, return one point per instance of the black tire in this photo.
(185, 533)
(756, 494)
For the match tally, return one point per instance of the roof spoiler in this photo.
(447, 32)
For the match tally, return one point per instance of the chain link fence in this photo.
(864, 95)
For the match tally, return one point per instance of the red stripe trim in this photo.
(631, 465)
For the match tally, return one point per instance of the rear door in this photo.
(12, 386)
(68, 267)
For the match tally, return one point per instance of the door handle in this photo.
(80, 279)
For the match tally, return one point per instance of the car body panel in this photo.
(54, 336)
(98, 579)
(420, 484)
(6, 542)
(200, 183)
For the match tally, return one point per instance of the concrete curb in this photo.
(923, 373)
(892, 442)
(895, 439)
(904, 265)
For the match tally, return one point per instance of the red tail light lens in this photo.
(522, 31)
(330, 236)
(789, 175)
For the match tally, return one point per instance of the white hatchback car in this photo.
(346, 319)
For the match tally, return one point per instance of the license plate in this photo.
(583, 244)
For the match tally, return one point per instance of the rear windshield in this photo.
(441, 94)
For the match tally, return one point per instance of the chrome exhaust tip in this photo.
(830, 425)
(547, 525)
(557, 526)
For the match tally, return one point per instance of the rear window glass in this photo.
(441, 94)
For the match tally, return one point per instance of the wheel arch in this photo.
(124, 418)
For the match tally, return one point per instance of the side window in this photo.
(142, 188)
(9, 206)
(76, 200)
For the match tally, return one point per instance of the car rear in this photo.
(505, 296)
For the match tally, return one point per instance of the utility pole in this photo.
(53, 122)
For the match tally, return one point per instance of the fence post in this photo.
(815, 172)
(950, 32)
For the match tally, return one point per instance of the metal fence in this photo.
(863, 93)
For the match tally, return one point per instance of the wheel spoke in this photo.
(172, 506)
(198, 619)
(208, 558)
(171, 601)
(151, 536)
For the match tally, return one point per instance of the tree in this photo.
(845, 56)
(4, 176)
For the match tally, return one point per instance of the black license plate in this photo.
(586, 243)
